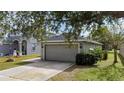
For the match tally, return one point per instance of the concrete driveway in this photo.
(37, 71)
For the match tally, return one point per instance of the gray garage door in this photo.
(61, 52)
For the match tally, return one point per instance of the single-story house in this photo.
(23, 45)
(56, 49)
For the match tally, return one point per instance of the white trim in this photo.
(79, 48)
(79, 40)
(43, 51)
(55, 44)
(50, 43)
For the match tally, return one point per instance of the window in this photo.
(33, 47)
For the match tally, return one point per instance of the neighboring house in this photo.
(56, 49)
(23, 45)
(122, 49)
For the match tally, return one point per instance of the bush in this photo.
(85, 59)
(105, 55)
(97, 52)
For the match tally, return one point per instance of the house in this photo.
(56, 49)
(23, 45)
(122, 49)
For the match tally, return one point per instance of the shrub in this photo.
(105, 55)
(85, 59)
(97, 52)
(79, 59)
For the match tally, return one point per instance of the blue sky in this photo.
(83, 33)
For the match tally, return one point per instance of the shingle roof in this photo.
(56, 37)
(60, 38)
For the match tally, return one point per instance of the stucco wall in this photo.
(85, 46)
(30, 43)
(6, 49)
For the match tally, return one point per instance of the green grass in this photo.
(101, 71)
(17, 62)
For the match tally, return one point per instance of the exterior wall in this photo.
(122, 50)
(33, 43)
(6, 49)
(85, 46)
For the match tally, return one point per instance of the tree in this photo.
(3, 16)
(112, 35)
(117, 37)
(72, 22)
(76, 22)
(29, 24)
(40, 24)
(101, 34)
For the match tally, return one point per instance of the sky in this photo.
(83, 33)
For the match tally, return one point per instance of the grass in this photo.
(18, 61)
(102, 71)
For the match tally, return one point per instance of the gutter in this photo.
(61, 41)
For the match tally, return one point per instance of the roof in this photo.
(60, 38)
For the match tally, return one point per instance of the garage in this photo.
(57, 49)
(60, 52)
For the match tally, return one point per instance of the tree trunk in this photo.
(115, 56)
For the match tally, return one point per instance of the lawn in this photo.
(103, 70)
(18, 61)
